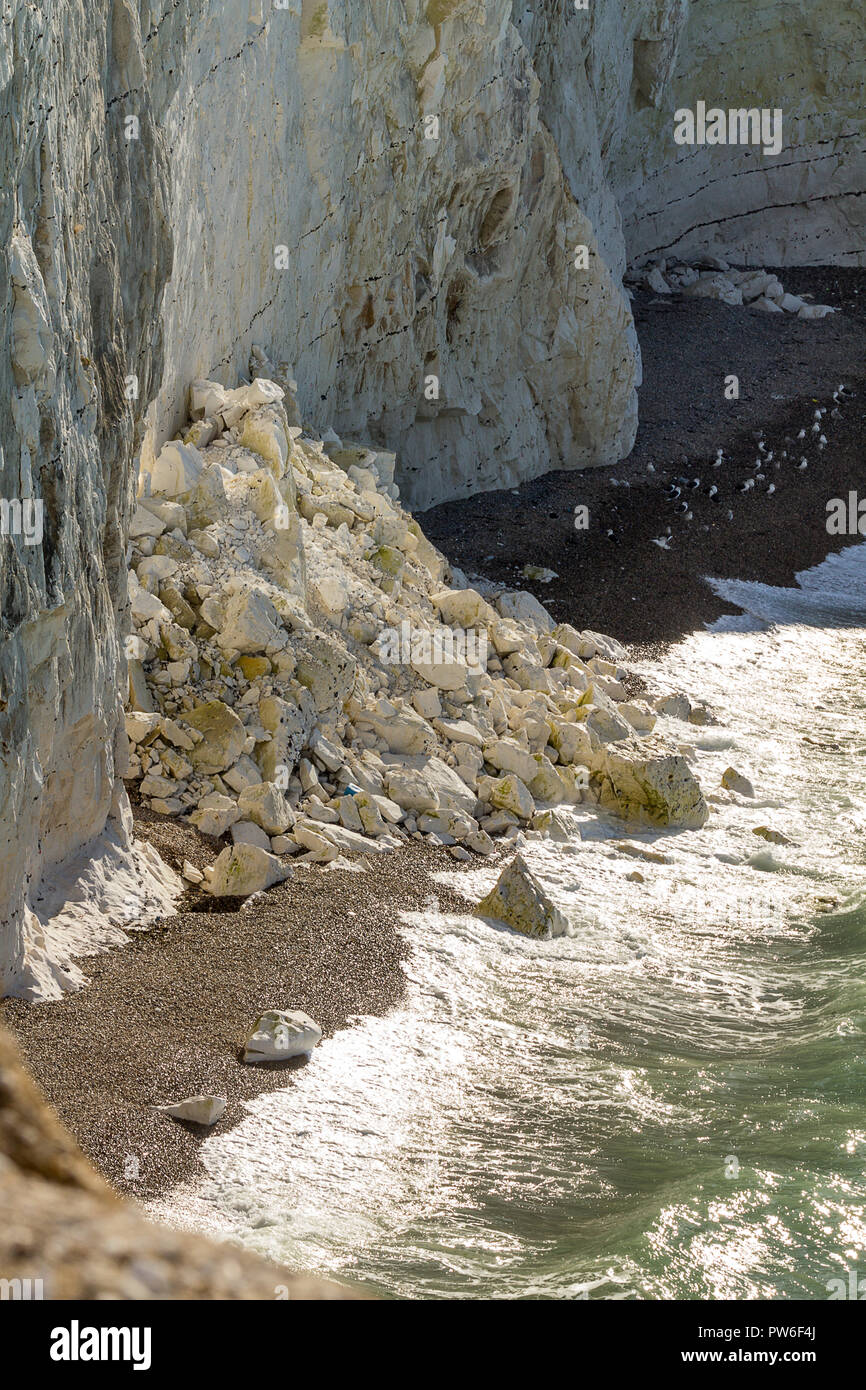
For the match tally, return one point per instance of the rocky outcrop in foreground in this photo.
(64, 1234)
(308, 677)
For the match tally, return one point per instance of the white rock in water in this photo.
(245, 869)
(673, 705)
(197, 1110)
(639, 715)
(520, 900)
(177, 470)
(280, 1034)
(645, 782)
(734, 781)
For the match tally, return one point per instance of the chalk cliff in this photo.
(382, 195)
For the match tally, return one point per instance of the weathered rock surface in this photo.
(521, 900)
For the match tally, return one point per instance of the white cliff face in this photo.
(184, 180)
(614, 76)
(415, 248)
(85, 263)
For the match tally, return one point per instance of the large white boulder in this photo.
(251, 623)
(265, 804)
(524, 607)
(463, 608)
(177, 470)
(224, 736)
(506, 755)
(411, 789)
(245, 869)
(279, 1034)
(214, 814)
(645, 782)
(521, 900)
(509, 793)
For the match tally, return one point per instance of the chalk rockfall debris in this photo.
(268, 701)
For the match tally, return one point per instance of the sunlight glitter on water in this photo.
(667, 1102)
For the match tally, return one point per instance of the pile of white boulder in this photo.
(285, 688)
(713, 278)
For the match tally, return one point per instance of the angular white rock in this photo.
(279, 1034)
(245, 869)
(197, 1110)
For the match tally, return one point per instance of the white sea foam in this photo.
(562, 1119)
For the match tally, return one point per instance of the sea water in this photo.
(669, 1102)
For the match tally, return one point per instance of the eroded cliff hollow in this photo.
(390, 198)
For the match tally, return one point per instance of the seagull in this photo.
(771, 488)
(802, 434)
(649, 468)
(712, 492)
(683, 507)
(730, 516)
(673, 492)
(744, 487)
(663, 542)
(822, 440)
(803, 464)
